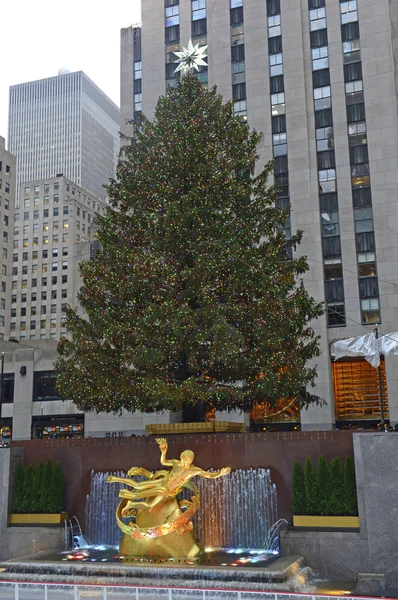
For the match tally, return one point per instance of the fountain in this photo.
(249, 519)
(238, 529)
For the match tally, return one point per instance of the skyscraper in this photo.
(319, 79)
(64, 124)
(7, 202)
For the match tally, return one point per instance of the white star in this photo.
(191, 58)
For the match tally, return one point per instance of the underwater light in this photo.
(209, 549)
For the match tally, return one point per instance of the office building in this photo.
(319, 79)
(64, 124)
(7, 202)
(52, 232)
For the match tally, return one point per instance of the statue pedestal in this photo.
(173, 545)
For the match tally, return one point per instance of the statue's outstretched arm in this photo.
(162, 442)
(215, 475)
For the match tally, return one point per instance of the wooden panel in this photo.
(356, 390)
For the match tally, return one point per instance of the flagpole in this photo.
(380, 383)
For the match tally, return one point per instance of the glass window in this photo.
(324, 139)
(317, 19)
(351, 51)
(335, 314)
(274, 26)
(322, 99)
(198, 10)
(27, 191)
(237, 35)
(236, 3)
(172, 15)
(370, 310)
(36, 201)
(320, 58)
(138, 69)
(279, 141)
(349, 12)
(44, 383)
(330, 223)
(327, 180)
(276, 64)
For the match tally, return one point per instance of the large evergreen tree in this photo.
(194, 295)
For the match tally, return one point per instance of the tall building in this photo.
(319, 79)
(52, 231)
(64, 124)
(7, 203)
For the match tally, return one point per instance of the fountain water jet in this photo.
(241, 511)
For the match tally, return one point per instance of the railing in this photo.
(17, 590)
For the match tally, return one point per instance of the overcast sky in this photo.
(38, 38)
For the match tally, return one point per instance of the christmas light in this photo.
(195, 295)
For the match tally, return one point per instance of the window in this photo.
(64, 265)
(2, 303)
(198, 10)
(43, 324)
(33, 311)
(44, 384)
(46, 200)
(335, 314)
(56, 198)
(54, 280)
(66, 210)
(363, 219)
(23, 297)
(324, 139)
(36, 201)
(320, 58)
(274, 26)
(172, 15)
(64, 293)
(330, 223)
(22, 326)
(45, 239)
(55, 211)
(53, 294)
(137, 70)
(370, 311)
(351, 51)
(349, 12)
(64, 237)
(46, 188)
(64, 251)
(276, 64)
(7, 188)
(279, 141)
(322, 99)
(317, 19)
(54, 266)
(240, 108)
(27, 191)
(367, 264)
(44, 281)
(64, 279)
(327, 180)
(236, 3)
(237, 35)
(23, 311)
(44, 295)
(55, 239)
(33, 297)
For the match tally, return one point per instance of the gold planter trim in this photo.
(37, 519)
(329, 522)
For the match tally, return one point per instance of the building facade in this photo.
(52, 232)
(319, 79)
(64, 124)
(7, 203)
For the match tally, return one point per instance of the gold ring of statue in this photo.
(179, 525)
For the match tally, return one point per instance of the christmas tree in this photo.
(194, 295)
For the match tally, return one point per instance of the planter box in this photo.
(38, 519)
(313, 521)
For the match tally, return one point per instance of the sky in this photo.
(38, 38)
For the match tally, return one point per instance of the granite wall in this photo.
(276, 451)
(21, 541)
(374, 549)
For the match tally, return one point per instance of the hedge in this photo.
(38, 489)
(327, 490)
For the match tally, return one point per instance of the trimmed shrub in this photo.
(311, 487)
(18, 488)
(350, 488)
(36, 506)
(46, 490)
(323, 475)
(28, 489)
(57, 489)
(299, 506)
(336, 490)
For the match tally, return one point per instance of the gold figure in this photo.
(156, 509)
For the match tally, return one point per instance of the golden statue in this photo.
(161, 527)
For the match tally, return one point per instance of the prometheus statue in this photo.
(161, 524)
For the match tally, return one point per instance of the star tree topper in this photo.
(191, 58)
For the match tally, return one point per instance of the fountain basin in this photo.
(276, 573)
